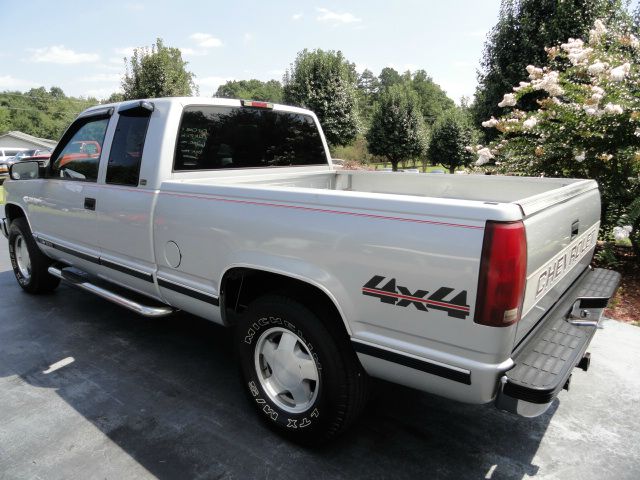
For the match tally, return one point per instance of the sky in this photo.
(79, 46)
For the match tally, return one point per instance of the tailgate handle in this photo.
(575, 228)
(593, 302)
(581, 314)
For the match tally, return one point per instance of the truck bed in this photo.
(531, 194)
(559, 215)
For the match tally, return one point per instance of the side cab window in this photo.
(77, 156)
(127, 147)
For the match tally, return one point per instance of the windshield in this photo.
(230, 137)
(26, 153)
(32, 153)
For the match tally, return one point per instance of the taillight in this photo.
(503, 270)
(256, 104)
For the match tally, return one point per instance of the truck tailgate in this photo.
(561, 237)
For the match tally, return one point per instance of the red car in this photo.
(80, 150)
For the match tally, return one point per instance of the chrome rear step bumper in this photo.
(79, 281)
(543, 363)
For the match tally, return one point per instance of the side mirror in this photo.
(27, 170)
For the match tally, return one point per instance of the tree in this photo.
(324, 82)
(368, 84)
(368, 87)
(524, 28)
(449, 143)
(158, 71)
(270, 91)
(586, 125)
(115, 97)
(40, 112)
(397, 129)
(56, 93)
(388, 78)
(434, 102)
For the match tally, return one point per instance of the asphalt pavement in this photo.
(91, 391)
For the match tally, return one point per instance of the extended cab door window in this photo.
(128, 143)
(78, 156)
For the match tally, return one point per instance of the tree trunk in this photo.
(394, 165)
(452, 170)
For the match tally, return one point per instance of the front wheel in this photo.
(30, 265)
(301, 375)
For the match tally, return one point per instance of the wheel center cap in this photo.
(286, 370)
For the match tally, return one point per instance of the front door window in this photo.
(79, 157)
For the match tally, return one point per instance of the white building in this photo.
(23, 140)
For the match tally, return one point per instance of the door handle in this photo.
(89, 203)
(575, 228)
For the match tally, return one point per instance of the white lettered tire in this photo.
(30, 265)
(299, 372)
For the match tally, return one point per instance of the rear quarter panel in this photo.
(331, 240)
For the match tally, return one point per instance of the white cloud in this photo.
(102, 77)
(61, 55)
(101, 93)
(192, 52)
(475, 33)
(212, 83)
(7, 82)
(456, 88)
(126, 51)
(115, 61)
(404, 67)
(247, 37)
(111, 67)
(134, 7)
(206, 40)
(296, 16)
(327, 15)
(276, 72)
(463, 64)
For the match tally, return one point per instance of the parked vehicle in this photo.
(41, 154)
(34, 152)
(86, 150)
(9, 152)
(5, 154)
(474, 288)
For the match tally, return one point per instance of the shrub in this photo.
(586, 124)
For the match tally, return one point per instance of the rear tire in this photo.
(30, 265)
(301, 374)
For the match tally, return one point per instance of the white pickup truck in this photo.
(475, 288)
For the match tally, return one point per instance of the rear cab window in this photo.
(215, 137)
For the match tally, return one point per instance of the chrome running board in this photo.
(78, 280)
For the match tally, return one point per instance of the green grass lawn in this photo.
(430, 168)
(1, 195)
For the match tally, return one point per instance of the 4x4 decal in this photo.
(400, 296)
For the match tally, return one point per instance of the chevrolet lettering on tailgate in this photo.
(552, 272)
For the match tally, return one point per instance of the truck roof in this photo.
(185, 101)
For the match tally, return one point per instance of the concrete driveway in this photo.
(139, 398)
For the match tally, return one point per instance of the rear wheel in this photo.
(30, 265)
(301, 374)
